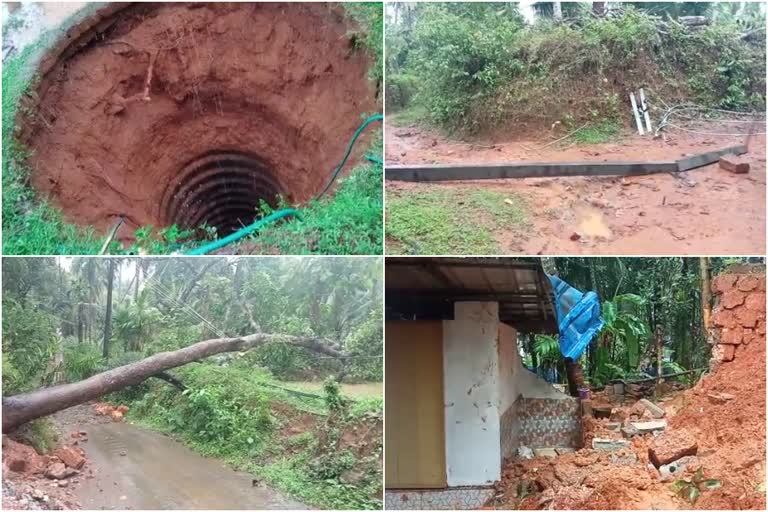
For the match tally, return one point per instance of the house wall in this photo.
(533, 412)
(471, 394)
(509, 390)
(414, 436)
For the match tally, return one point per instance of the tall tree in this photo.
(108, 315)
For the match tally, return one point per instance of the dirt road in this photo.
(704, 211)
(135, 468)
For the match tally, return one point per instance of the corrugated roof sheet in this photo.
(428, 287)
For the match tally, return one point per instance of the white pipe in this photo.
(645, 111)
(637, 116)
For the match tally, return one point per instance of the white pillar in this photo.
(471, 390)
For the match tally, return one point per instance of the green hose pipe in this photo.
(243, 232)
(247, 230)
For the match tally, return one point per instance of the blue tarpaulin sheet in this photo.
(578, 317)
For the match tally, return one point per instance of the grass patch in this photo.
(30, 225)
(598, 133)
(413, 116)
(449, 221)
(349, 222)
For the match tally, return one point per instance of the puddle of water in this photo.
(141, 469)
(592, 224)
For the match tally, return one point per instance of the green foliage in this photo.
(366, 406)
(165, 241)
(81, 360)
(446, 221)
(547, 350)
(370, 16)
(30, 225)
(601, 132)
(481, 68)
(29, 343)
(691, 488)
(226, 412)
(639, 296)
(332, 395)
(349, 222)
(135, 322)
(39, 434)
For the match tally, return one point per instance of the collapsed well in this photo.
(195, 113)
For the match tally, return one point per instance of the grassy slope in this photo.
(30, 225)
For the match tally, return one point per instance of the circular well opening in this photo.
(223, 189)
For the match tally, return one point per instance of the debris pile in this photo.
(702, 448)
(114, 412)
(34, 481)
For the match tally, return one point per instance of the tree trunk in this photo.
(659, 359)
(557, 10)
(575, 377)
(108, 316)
(706, 293)
(598, 8)
(19, 409)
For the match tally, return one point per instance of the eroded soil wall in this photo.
(128, 116)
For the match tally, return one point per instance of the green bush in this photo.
(480, 67)
(81, 360)
(29, 343)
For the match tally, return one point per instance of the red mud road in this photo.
(704, 211)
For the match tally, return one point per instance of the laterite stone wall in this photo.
(738, 317)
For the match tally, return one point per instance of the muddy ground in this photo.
(129, 467)
(703, 211)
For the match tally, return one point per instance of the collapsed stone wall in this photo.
(739, 315)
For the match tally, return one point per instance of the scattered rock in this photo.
(575, 236)
(123, 453)
(674, 470)
(671, 446)
(601, 411)
(547, 496)
(70, 456)
(525, 453)
(58, 471)
(609, 445)
(720, 398)
(735, 164)
(38, 494)
(644, 427)
(654, 409)
(629, 431)
(623, 458)
(545, 452)
(637, 410)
